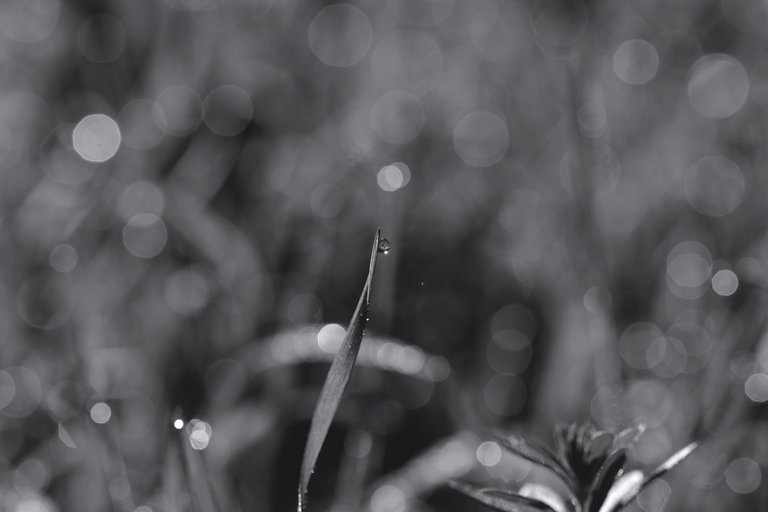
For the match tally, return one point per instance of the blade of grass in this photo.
(113, 465)
(667, 465)
(336, 381)
(173, 480)
(672, 461)
(606, 476)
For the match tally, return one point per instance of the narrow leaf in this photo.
(670, 463)
(605, 478)
(501, 500)
(535, 452)
(173, 495)
(625, 485)
(544, 494)
(599, 446)
(336, 382)
(566, 435)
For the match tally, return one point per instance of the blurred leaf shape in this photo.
(65, 437)
(670, 463)
(543, 494)
(498, 499)
(173, 496)
(197, 474)
(336, 381)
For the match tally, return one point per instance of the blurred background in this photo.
(575, 195)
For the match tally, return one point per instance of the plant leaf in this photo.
(625, 485)
(605, 478)
(668, 464)
(173, 480)
(336, 382)
(599, 446)
(544, 494)
(535, 452)
(501, 500)
(671, 462)
(567, 438)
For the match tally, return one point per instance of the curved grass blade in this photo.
(544, 494)
(537, 453)
(671, 462)
(627, 484)
(668, 464)
(501, 500)
(336, 381)
(606, 476)
(113, 464)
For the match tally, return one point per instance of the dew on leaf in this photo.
(384, 245)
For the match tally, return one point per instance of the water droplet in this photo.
(384, 245)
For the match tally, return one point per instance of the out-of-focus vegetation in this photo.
(575, 195)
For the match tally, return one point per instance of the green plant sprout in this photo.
(589, 462)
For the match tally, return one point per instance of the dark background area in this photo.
(575, 196)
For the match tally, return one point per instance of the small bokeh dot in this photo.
(100, 412)
(96, 138)
(340, 35)
(388, 498)
(743, 475)
(145, 235)
(488, 453)
(725, 282)
(393, 177)
(636, 62)
(718, 86)
(756, 387)
(481, 138)
(63, 258)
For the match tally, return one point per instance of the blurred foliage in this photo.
(574, 197)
